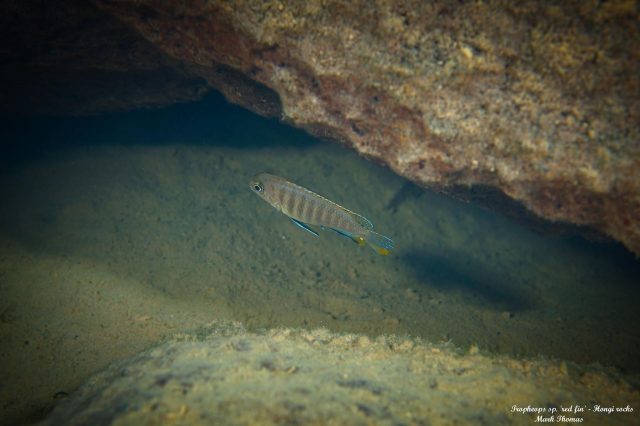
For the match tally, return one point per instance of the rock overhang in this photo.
(539, 101)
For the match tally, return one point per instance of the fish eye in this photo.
(257, 187)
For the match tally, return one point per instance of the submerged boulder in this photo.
(225, 375)
(538, 100)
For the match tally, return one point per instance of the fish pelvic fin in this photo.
(378, 242)
(304, 226)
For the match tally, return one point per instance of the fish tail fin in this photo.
(381, 244)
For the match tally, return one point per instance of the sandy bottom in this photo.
(108, 248)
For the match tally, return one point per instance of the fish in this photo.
(305, 208)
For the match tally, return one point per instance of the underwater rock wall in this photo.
(539, 100)
(71, 58)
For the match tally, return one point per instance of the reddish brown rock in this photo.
(541, 101)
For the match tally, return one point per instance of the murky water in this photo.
(118, 230)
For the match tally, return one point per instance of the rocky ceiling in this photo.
(539, 100)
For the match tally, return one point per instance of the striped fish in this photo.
(307, 208)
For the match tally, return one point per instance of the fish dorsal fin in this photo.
(361, 220)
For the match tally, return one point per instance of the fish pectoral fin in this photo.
(304, 226)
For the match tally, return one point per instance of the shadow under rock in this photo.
(447, 274)
(211, 121)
